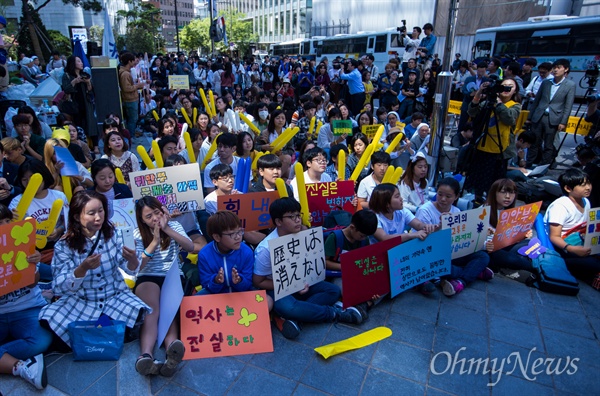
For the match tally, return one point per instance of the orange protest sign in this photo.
(227, 324)
(514, 223)
(17, 241)
(252, 208)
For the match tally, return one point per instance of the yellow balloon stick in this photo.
(362, 162)
(188, 145)
(311, 127)
(396, 176)
(67, 187)
(378, 134)
(302, 193)
(250, 124)
(341, 162)
(205, 102)
(388, 174)
(319, 125)
(157, 154)
(394, 143)
(145, 157)
(119, 176)
(211, 151)
(359, 341)
(41, 239)
(155, 115)
(35, 181)
(186, 117)
(255, 162)
(213, 108)
(194, 116)
(184, 128)
(281, 188)
(284, 138)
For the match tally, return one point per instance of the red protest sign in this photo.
(17, 241)
(325, 197)
(252, 208)
(514, 223)
(226, 324)
(365, 272)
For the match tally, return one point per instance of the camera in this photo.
(84, 75)
(402, 29)
(593, 97)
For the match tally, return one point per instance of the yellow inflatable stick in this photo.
(205, 102)
(256, 157)
(283, 139)
(41, 238)
(213, 108)
(145, 157)
(394, 143)
(211, 151)
(155, 115)
(119, 176)
(396, 176)
(359, 341)
(319, 125)
(341, 162)
(281, 188)
(363, 161)
(188, 145)
(67, 187)
(388, 174)
(157, 154)
(186, 117)
(250, 124)
(194, 116)
(311, 127)
(378, 134)
(302, 193)
(35, 181)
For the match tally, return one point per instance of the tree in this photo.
(142, 20)
(61, 43)
(95, 33)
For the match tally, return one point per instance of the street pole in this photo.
(212, 39)
(442, 98)
(176, 25)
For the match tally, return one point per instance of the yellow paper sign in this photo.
(179, 82)
(360, 341)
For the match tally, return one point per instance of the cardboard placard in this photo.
(252, 208)
(341, 126)
(454, 106)
(370, 130)
(176, 187)
(469, 230)
(179, 82)
(17, 241)
(122, 213)
(325, 197)
(297, 260)
(365, 272)
(227, 324)
(416, 261)
(70, 166)
(514, 223)
(593, 231)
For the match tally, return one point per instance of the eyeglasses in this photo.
(320, 160)
(293, 217)
(226, 178)
(236, 234)
(506, 192)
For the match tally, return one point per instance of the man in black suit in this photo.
(8, 179)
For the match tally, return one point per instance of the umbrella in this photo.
(78, 52)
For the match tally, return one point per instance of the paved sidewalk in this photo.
(494, 320)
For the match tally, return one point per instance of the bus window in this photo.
(306, 49)
(371, 43)
(587, 45)
(483, 49)
(380, 44)
(510, 47)
(396, 40)
(550, 45)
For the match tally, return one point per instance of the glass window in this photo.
(380, 44)
(585, 45)
(550, 45)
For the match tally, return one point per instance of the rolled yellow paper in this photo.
(155, 115)
(359, 341)
(211, 151)
(119, 176)
(256, 157)
(67, 187)
(157, 154)
(49, 224)
(35, 181)
(362, 162)
(311, 127)
(189, 147)
(388, 174)
(281, 188)
(396, 176)
(213, 108)
(302, 193)
(250, 124)
(341, 162)
(394, 143)
(145, 157)
(205, 102)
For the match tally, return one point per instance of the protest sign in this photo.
(469, 230)
(514, 223)
(226, 324)
(365, 272)
(325, 197)
(341, 126)
(171, 294)
(176, 187)
(17, 241)
(370, 130)
(297, 260)
(417, 261)
(252, 208)
(122, 213)
(179, 82)
(593, 230)
(69, 165)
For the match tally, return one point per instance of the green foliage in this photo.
(142, 27)
(95, 33)
(61, 43)
(25, 45)
(139, 40)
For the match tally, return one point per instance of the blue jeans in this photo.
(25, 336)
(406, 108)
(468, 267)
(313, 306)
(131, 115)
(510, 258)
(516, 175)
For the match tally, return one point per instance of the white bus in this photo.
(298, 47)
(546, 39)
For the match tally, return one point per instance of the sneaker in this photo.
(32, 370)
(288, 328)
(426, 288)
(349, 315)
(362, 310)
(596, 282)
(452, 287)
(175, 353)
(486, 274)
(146, 365)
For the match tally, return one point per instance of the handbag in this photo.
(67, 106)
(92, 342)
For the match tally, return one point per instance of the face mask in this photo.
(263, 114)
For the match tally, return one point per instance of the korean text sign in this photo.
(226, 324)
(370, 130)
(469, 230)
(593, 231)
(325, 197)
(179, 82)
(365, 272)
(17, 241)
(176, 187)
(514, 223)
(122, 213)
(297, 260)
(416, 261)
(341, 127)
(252, 208)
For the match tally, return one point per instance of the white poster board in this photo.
(592, 235)
(171, 295)
(122, 213)
(469, 230)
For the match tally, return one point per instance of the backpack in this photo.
(552, 275)
(339, 246)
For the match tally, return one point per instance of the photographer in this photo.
(495, 108)
(355, 85)
(411, 44)
(593, 116)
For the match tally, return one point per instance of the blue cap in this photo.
(3, 20)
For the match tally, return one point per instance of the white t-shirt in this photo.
(262, 256)
(40, 207)
(234, 166)
(307, 180)
(563, 211)
(396, 225)
(366, 187)
(429, 214)
(413, 199)
(210, 203)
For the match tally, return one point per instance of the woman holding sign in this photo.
(327, 138)
(79, 182)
